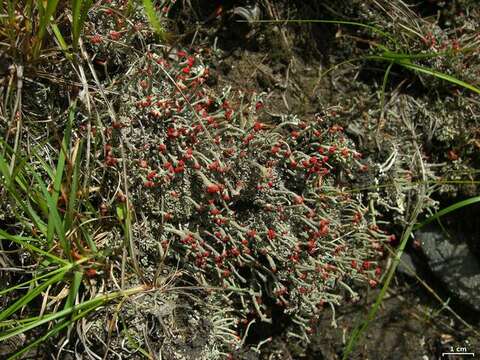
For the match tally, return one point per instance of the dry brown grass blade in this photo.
(129, 233)
(16, 116)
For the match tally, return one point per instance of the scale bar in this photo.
(460, 353)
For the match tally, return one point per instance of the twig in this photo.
(17, 115)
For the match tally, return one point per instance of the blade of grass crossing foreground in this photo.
(338, 22)
(33, 293)
(18, 286)
(54, 220)
(23, 186)
(402, 59)
(72, 197)
(46, 9)
(439, 75)
(61, 41)
(7, 178)
(153, 18)
(80, 10)
(72, 294)
(82, 307)
(8, 23)
(360, 329)
(88, 238)
(90, 305)
(25, 242)
(11, 10)
(74, 287)
(357, 332)
(384, 85)
(57, 183)
(57, 328)
(447, 210)
(405, 61)
(8, 182)
(10, 324)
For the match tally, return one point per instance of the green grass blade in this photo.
(153, 19)
(46, 319)
(32, 196)
(11, 10)
(23, 241)
(8, 182)
(32, 294)
(5, 172)
(447, 210)
(18, 286)
(72, 294)
(384, 85)
(54, 219)
(360, 329)
(339, 22)
(57, 183)
(430, 55)
(88, 238)
(89, 304)
(56, 329)
(336, 66)
(38, 222)
(9, 324)
(53, 216)
(80, 10)
(405, 61)
(45, 166)
(61, 41)
(439, 75)
(45, 15)
(72, 198)
(39, 340)
(76, 8)
(74, 286)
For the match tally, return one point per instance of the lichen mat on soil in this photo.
(219, 197)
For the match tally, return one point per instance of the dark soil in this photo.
(408, 326)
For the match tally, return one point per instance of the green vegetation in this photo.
(61, 239)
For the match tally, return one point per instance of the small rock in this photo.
(452, 263)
